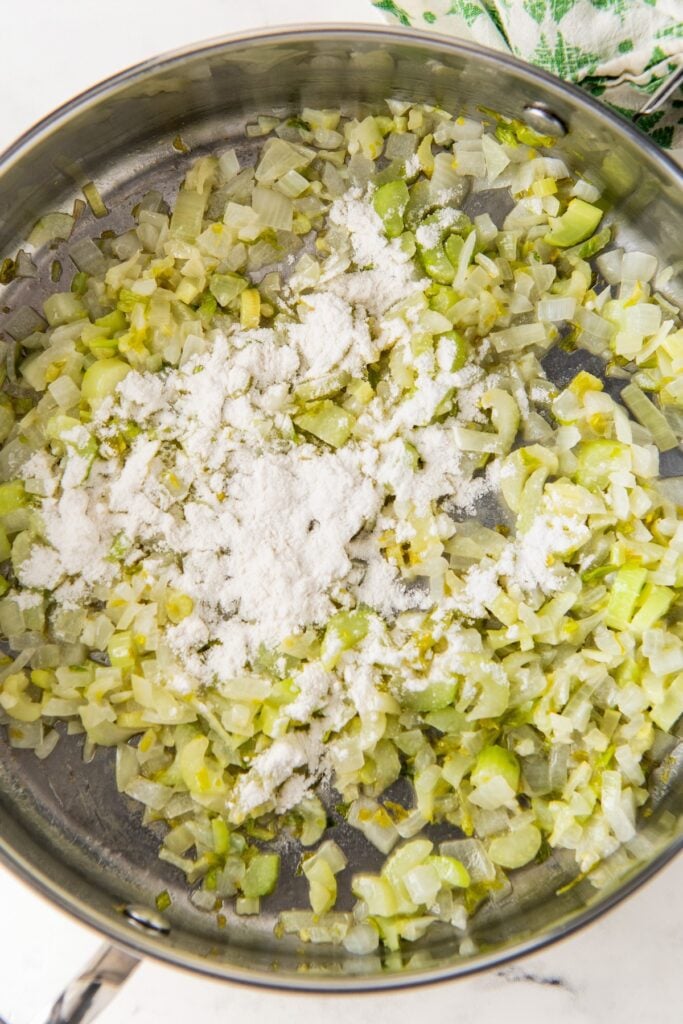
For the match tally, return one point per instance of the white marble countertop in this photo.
(625, 967)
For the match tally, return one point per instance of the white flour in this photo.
(268, 535)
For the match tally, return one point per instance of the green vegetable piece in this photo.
(667, 711)
(221, 835)
(598, 572)
(434, 697)
(577, 223)
(102, 378)
(79, 283)
(322, 387)
(437, 264)
(515, 849)
(647, 413)
(496, 761)
(12, 496)
(312, 820)
(163, 901)
(261, 875)
(596, 460)
(6, 416)
(226, 287)
(357, 395)
(377, 893)
(21, 549)
(462, 349)
(505, 133)
(208, 305)
(113, 322)
(451, 871)
(595, 244)
(452, 247)
(435, 256)
(421, 344)
(322, 887)
(528, 137)
(5, 546)
(51, 227)
(624, 595)
(328, 421)
(442, 298)
(390, 202)
(94, 199)
(655, 605)
(121, 650)
(344, 630)
(188, 213)
(63, 308)
(405, 858)
(8, 270)
(446, 720)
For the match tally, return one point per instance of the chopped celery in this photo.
(328, 421)
(112, 322)
(595, 244)
(656, 602)
(5, 546)
(437, 264)
(121, 650)
(322, 387)
(405, 858)
(377, 893)
(188, 214)
(344, 630)
(94, 199)
(649, 415)
(226, 287)
(390, 202)
(12, 496)
(434, 697)
(63, 308)
(178, 606)
(51, 227)
(628, 583)
(496, 761)
(596, 460)
(577, 223)
(515, 849)
(163, 900)
(102, 378)
(451, 872)
(6, 417)
(261, 875)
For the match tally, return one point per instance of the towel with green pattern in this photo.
(621, 50)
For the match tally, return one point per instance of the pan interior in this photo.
(63, 822)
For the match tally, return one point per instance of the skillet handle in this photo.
(87, 995)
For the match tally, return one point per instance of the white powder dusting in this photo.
(268, 534)
(331, 335)
(314, 684)
(284, 534)
(531, 561)
(429, 235)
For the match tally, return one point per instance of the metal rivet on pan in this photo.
(543, 120)
(144, 917)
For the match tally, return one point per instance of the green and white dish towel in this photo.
(620, 50)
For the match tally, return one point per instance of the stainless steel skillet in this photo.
(63, 826)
